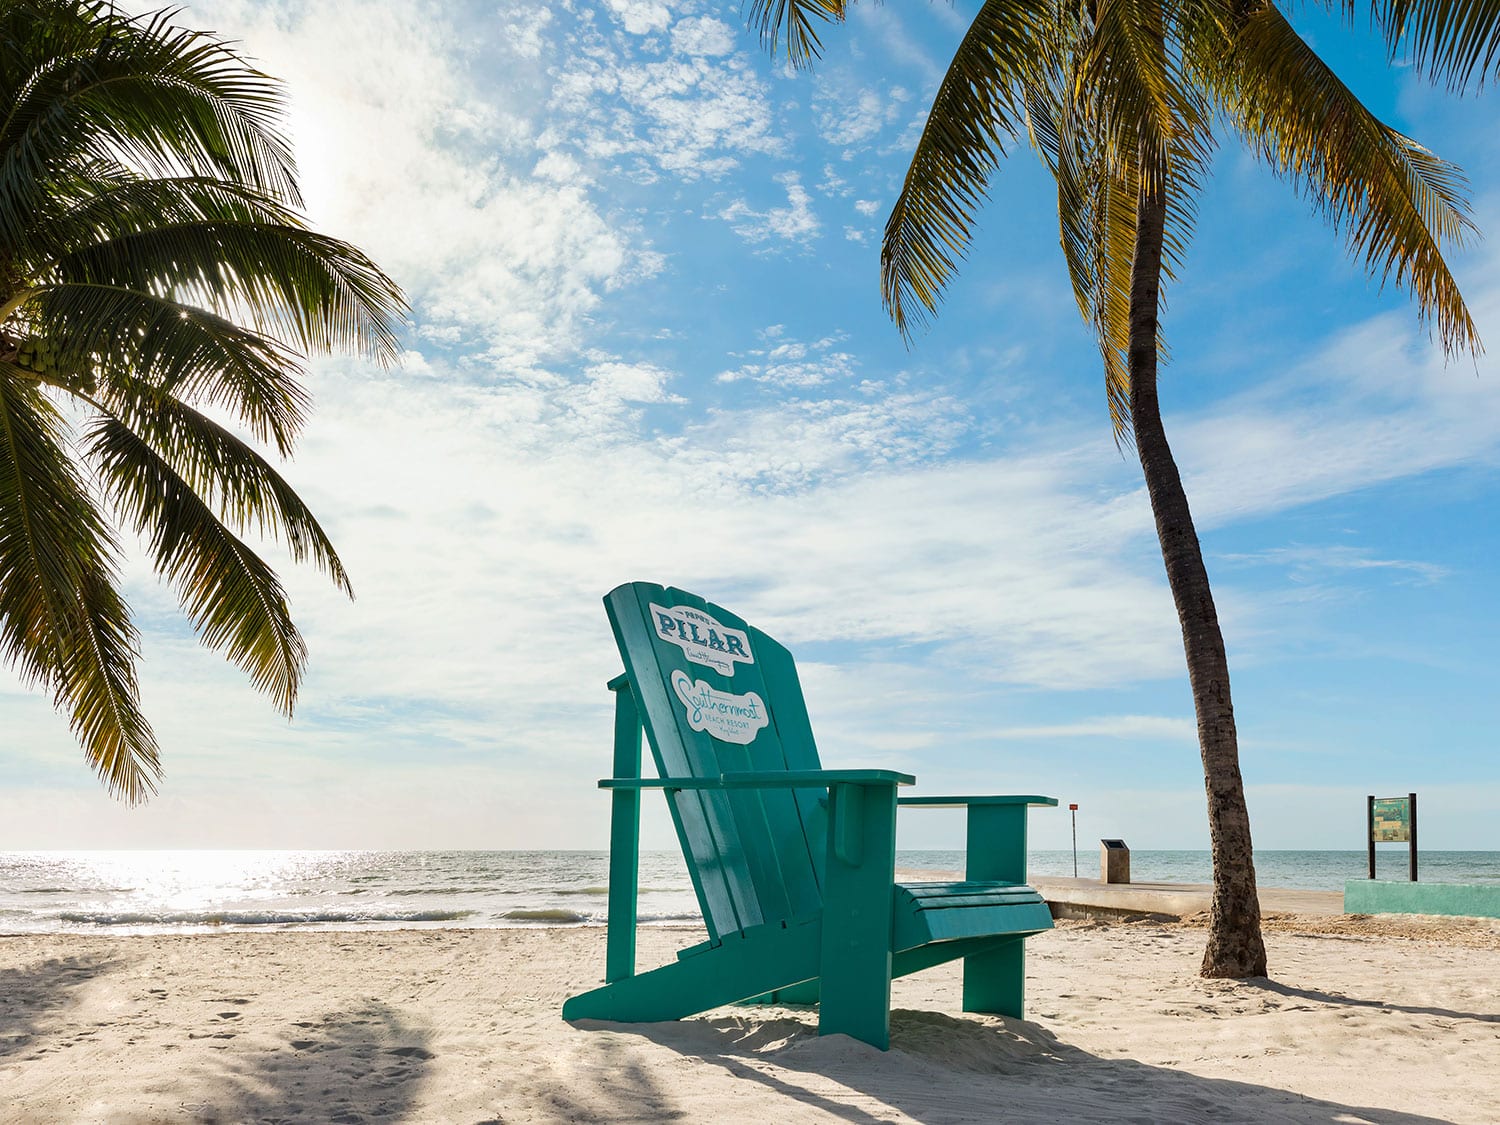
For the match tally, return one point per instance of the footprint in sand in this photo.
(412, 1053)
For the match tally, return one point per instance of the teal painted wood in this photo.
(995, 982)
(995, 841)
(736, 968)
(749, 845)
(798, 751)
(624, 838)
(817, 779)
(1473, 900)
(908, 961)
(756, 825)
(967, 802)
(860, 869)
(793, 865)
(928, 912)
(697, 821)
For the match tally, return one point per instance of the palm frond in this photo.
(183, 350)
(979, 107)
(233, 598)
(63, 624)
(310, 291)
(792, 22)
(229, 475)
(1099, 185)
(167, 99)
(1451, 41)
(1395, 201)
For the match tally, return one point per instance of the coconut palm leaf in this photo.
(792, 22)
(978, 109)
(230, 476)
(183, 350)
(154, 264)
(63, 625)
(309, 291)
(1396, 202)
(1451, 41)
(159, 97)
(233, 598)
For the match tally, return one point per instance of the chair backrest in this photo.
(716, 695)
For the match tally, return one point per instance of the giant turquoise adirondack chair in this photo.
(794, 865)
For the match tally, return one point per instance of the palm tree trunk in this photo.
(1235, 947)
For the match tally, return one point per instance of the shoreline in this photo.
(1379, 1020)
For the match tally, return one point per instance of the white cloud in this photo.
(1160, 728)
(1305, 563)
(432, 169)
(703, 35)
(793, 223)
(846, 120)
(1375, 404)
(790, 364)
(691, 116)
(640, 17)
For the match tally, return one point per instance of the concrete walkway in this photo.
(1083, 898)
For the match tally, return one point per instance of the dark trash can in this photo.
(1114, 861)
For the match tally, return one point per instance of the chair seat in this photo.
(932, 912)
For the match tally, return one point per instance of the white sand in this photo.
(1364, 1021)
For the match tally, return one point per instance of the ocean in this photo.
(206, 891)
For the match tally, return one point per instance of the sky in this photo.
(647, 344)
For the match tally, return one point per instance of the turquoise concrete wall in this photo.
(1367, 896)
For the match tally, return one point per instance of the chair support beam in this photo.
(624, 838)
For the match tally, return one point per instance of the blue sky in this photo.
(647, 344)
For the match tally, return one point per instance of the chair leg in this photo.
(995, 980)
(855, 964)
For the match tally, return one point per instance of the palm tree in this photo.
(1122, 99)
(154, 271)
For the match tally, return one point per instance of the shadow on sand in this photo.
(35, 999)
(1338, 999)
(346, 1068)
(947, 1069)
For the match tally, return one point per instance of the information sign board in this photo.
(1391, 822)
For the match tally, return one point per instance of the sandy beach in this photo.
(1366, 1020)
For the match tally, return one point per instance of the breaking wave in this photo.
(255, 917)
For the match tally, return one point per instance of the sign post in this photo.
(1074, 810)
(1392, 820)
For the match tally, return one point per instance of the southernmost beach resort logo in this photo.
(702, 638)
(729, 718)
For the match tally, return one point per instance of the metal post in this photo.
(1074, 810)
(1370, 830)
(1411, 809)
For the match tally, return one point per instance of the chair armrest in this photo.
(995, 837)
(967, 802)
(660, 783)
(813, 779)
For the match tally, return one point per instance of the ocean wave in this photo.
(605, 890)
(558, 917)
(256, 917)
(446, 891)
(75, 890)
